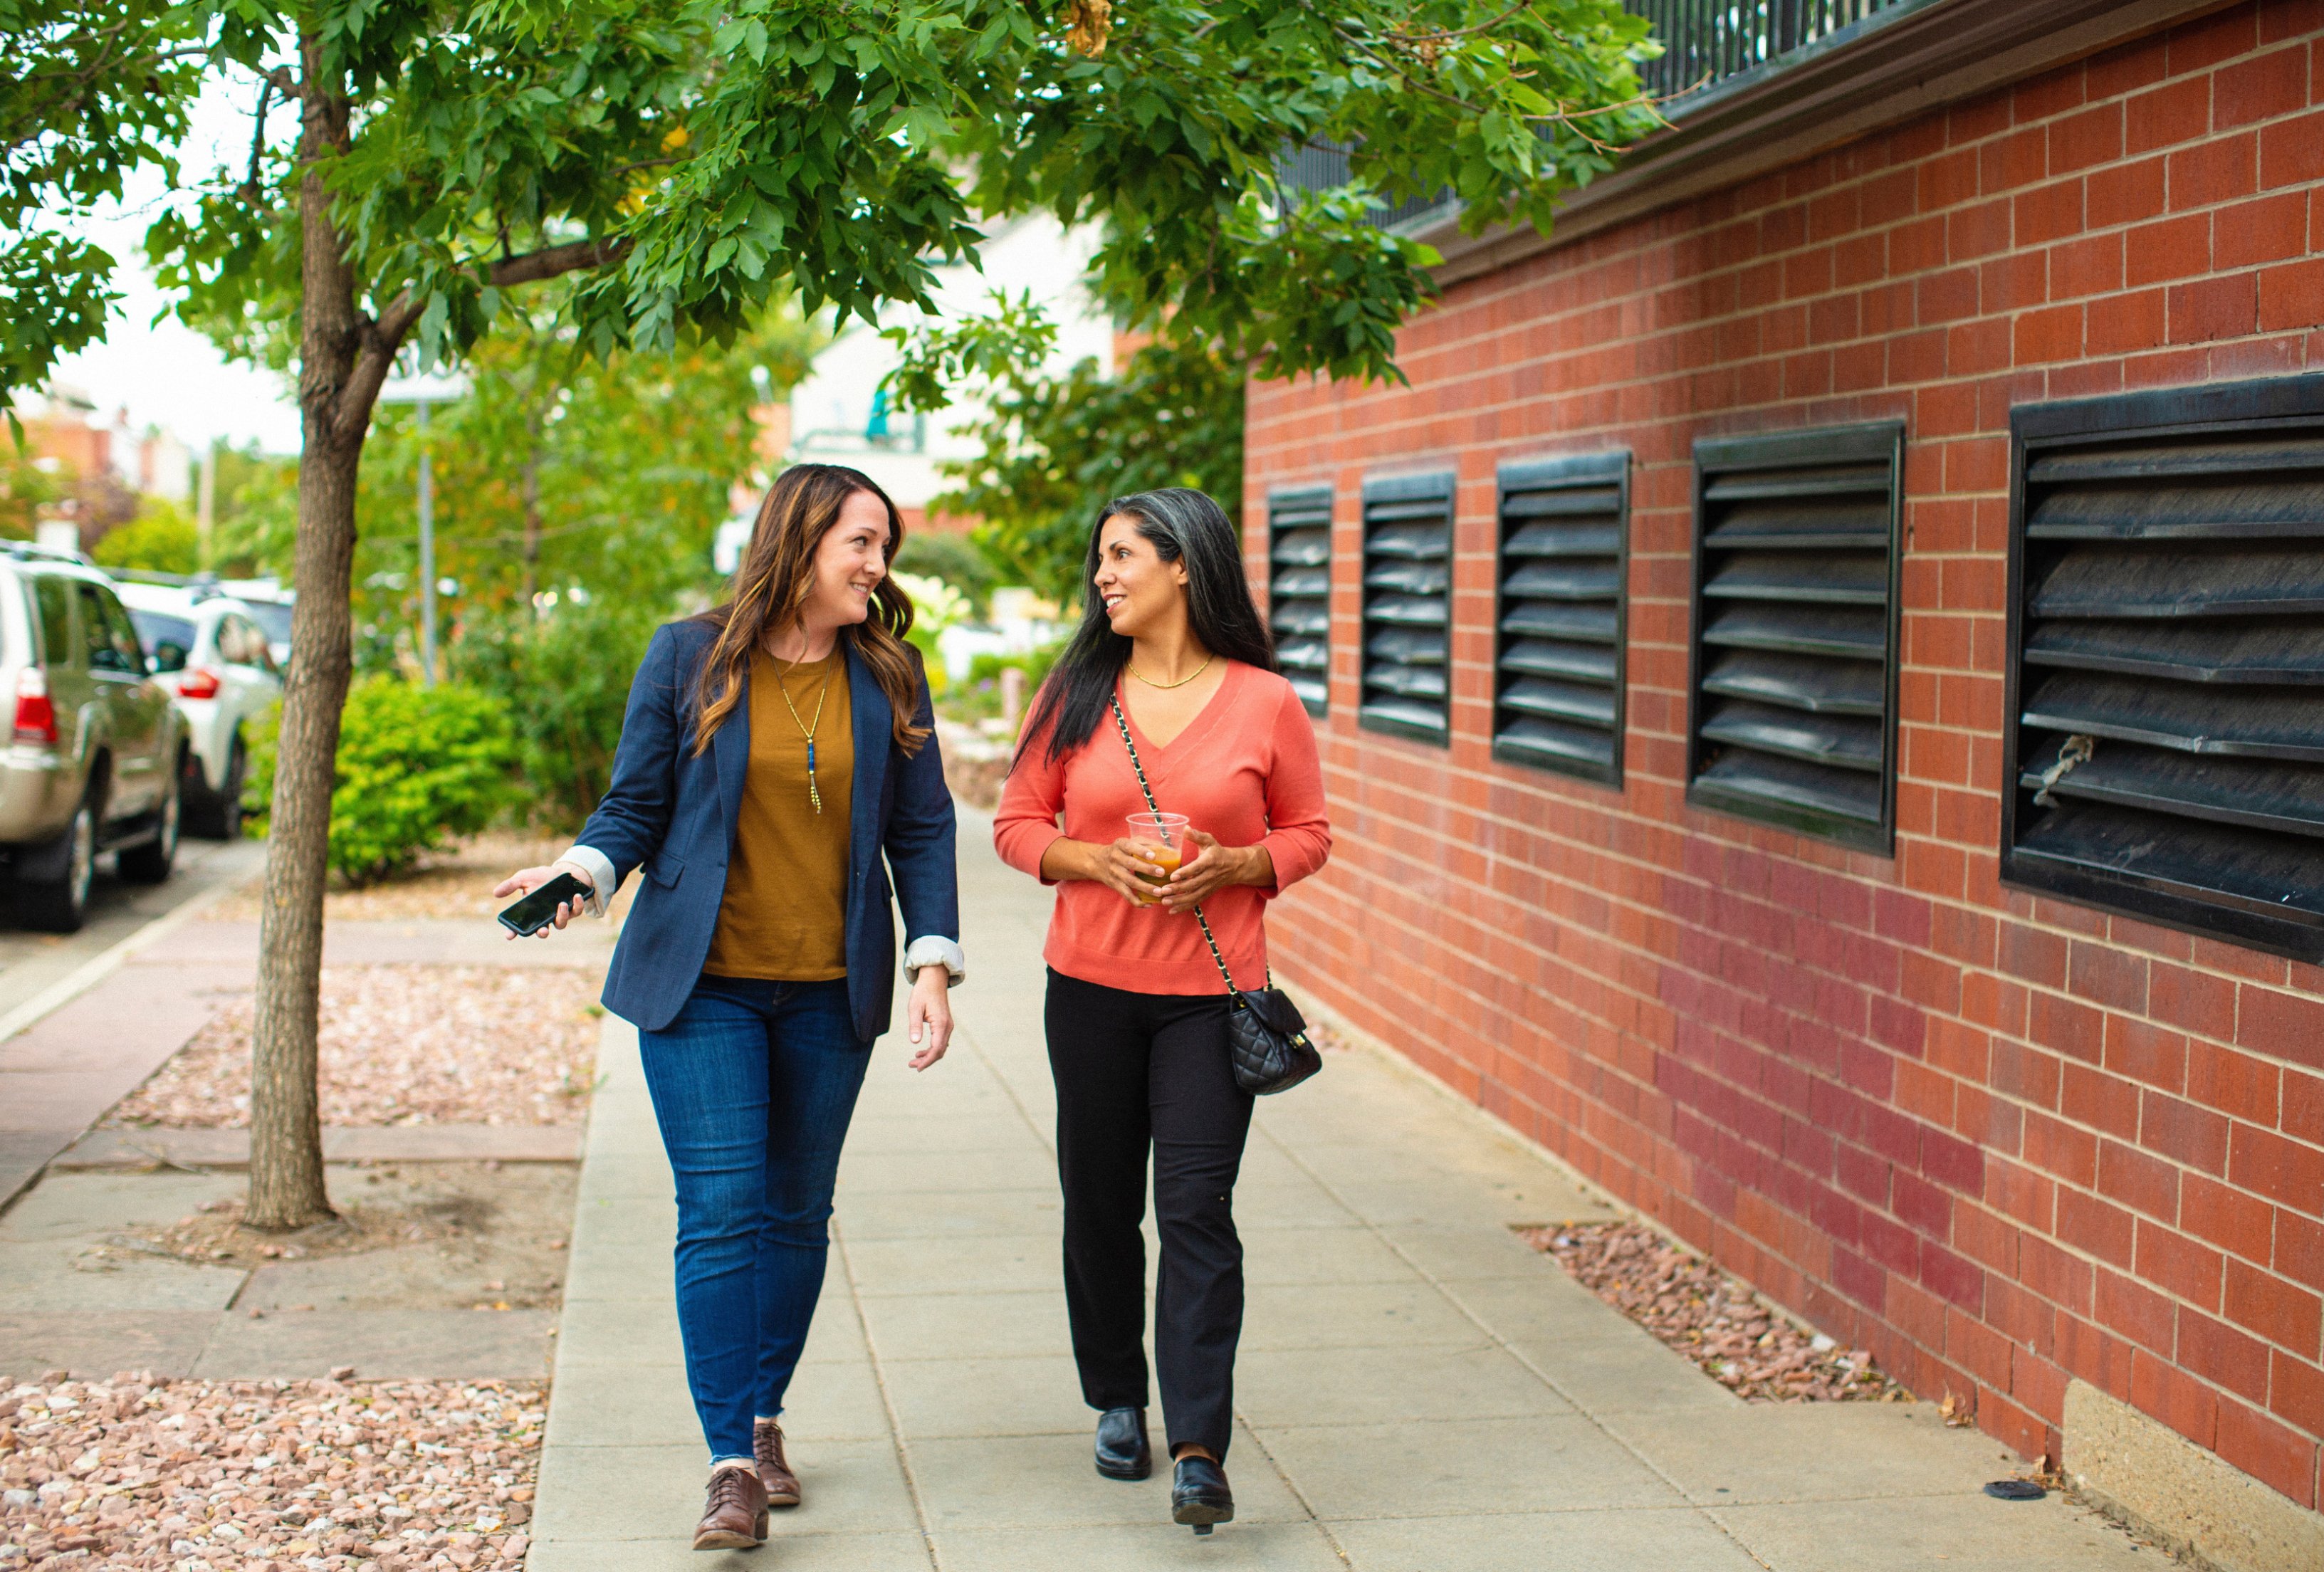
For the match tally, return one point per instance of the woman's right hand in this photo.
(525, 881)
(1117, 867)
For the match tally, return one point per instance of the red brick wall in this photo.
(2000, 1140)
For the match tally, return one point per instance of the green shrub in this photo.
(417, 768)
(161, 538)
(1034, 665)
(566, 680)
(953, 558)
(978, 698)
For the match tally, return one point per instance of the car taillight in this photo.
(200, 683)
(36, 717)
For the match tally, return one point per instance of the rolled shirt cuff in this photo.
(596, 868)
(934, 949)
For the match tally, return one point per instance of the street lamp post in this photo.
(420, 393)
(426, 549)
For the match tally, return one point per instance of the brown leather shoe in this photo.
(767, 1445)
(734, 1514)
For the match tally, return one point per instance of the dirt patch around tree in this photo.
(412, 1236)
(206, 1476)
(405, 1045)
(1712, 1318)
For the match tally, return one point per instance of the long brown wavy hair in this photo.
(770, 593)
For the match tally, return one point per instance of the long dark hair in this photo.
(1182, 526)
(770, 590)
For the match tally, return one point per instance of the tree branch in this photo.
(250, 187)
(384, 337)
(554, 261)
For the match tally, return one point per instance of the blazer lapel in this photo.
(869, 700)
(730, 751)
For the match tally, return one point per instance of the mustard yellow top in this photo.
(784, 914)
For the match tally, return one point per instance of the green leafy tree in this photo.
(161, 538)
(1056, 448)
(689, 165)
(559, 469)
(25, 491)
(445, 156)
(566, 679)
(87, 93)
(255, 516)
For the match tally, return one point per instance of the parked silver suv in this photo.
(95, 750)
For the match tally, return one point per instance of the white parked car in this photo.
(270, 606)
(214, 658)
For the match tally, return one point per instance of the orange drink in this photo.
(1161, 840)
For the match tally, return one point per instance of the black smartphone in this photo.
(538, 910)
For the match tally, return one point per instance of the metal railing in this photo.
(1322, 166)
(1706, 41)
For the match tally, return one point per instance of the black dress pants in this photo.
(1136, 1071)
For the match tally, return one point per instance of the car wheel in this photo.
(60, 905)
(217, 816)
(150, 863)
(237, 770)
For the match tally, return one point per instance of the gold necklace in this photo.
(1181, 682)
(808, 729)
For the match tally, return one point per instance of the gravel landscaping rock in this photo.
(234, 1476)
(1711, 1317)
(406, 1045)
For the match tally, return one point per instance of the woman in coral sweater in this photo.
(1137, 1011)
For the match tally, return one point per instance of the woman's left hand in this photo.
(929, 1013)
(1215, 867)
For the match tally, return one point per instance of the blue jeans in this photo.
(754, 1083)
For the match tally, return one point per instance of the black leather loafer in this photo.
(1199, 1496)
(1122, 1449)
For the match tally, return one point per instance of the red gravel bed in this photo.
(1711, 1317)
(406, 1045)
(237, 1475)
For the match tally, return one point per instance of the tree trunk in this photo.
(286, 1138)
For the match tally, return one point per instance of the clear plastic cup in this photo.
(1162, 840)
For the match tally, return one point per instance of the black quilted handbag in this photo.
(1266, 1036)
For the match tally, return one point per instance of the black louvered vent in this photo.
(1408, 606)
(1792, 701)
(2167, 658)
(1299, 590)
(1558, 660)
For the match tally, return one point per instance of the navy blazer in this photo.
(673, 812)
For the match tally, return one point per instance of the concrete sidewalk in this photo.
(1418, 1390)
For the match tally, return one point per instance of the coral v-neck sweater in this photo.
(1244, 770)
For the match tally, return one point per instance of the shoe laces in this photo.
(767, 1445)
(727, 1489)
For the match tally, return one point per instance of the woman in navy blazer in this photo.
(758, 962)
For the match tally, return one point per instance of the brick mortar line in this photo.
(1705, 231)
(1842, 405)
(1603, 853)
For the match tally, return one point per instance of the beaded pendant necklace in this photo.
(807, 727)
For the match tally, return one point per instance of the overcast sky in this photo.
(166, 374)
